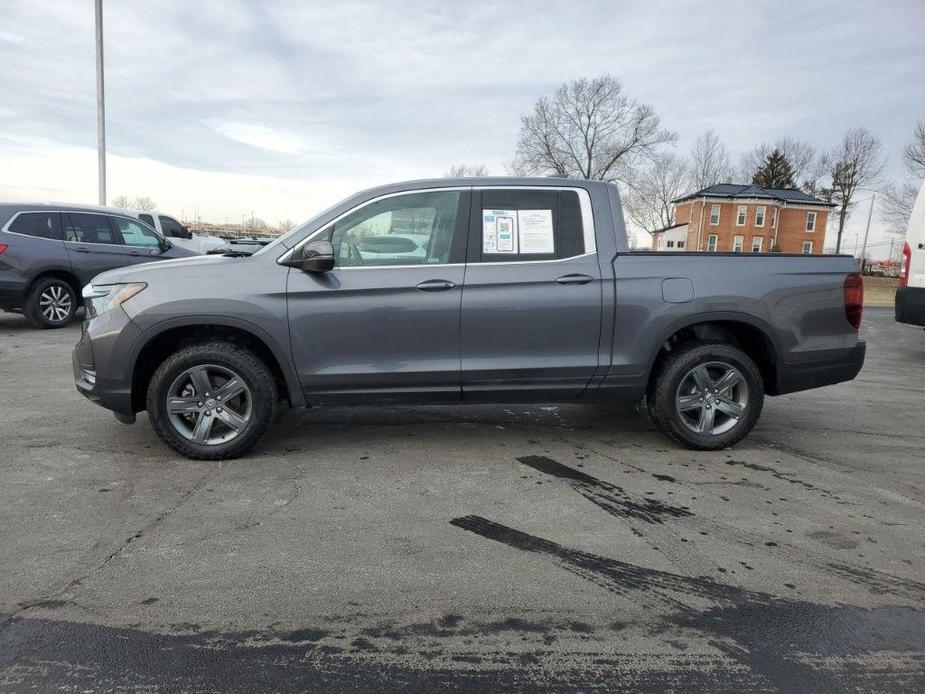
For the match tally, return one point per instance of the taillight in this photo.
(854, 299)
(3, 247)
(907, 261)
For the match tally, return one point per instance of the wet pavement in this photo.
(468, 548)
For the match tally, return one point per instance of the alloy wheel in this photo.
(55, 303)
(712, 398)
(209, 404)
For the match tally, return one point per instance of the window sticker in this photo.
(499, 231)
(536, 233)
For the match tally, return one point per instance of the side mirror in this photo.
(317, 256)
(185, 233)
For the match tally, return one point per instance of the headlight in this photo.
(99, 298)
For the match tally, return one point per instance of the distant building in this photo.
(745, 218)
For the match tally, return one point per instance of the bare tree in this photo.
(914, 152)
(589, 128)
(122, 202)
(896, 206)
(466, 171)
(648, 202)
(709, 161)
(800, 155)
(857, 161)
(143, 202)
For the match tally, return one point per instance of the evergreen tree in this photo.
(775, 172)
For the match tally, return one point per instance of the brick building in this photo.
(745, 218)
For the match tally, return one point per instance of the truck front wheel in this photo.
(707, 395)
(212, 400)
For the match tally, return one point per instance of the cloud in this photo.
(352, 92)
(259, 136)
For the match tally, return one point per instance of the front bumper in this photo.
(102, 372)
(910, 305)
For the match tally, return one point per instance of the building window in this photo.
(810, 221)
(737, 243)
(774, 219)
(759, 215)
(711, 243)
(807, 246)
(757, 242)
(669, 244)
(680, 244)
(740, 220)
(714, 215)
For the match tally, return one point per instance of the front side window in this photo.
(757, 243)
(43, 225)
(89, 228)
(759, 215)
(172, 228)
(711, 243)
(807, 246)
(413, 229)
(135, 234)
(743, 212)
(737, 243)
(810, 221)
(714, 215)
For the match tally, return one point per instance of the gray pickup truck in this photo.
(465, 290)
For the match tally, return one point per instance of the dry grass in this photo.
(879, 291)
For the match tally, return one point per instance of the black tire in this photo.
(240, 362)
(46, 301)
(678, 367)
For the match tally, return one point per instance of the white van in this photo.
(910, 296)
(178, 234)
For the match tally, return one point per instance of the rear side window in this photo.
(530, 225)
(90, 228)
(43, 225)
(147, 219)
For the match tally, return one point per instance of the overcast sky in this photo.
(282, 107)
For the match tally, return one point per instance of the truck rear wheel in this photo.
(212, 401)
(707, 395)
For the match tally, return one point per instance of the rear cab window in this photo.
(147, 219)
(42, 225)
(528, 225)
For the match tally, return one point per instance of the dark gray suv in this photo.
(49, 252)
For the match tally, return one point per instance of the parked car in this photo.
(242, 246)
(527, 292)
(178, 233)
(910, 295)
(49, 252)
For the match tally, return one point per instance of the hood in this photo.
(178, 268)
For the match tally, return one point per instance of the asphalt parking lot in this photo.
(465, 548)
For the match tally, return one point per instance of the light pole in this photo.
(100, 104)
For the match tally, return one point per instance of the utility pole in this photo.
(870, 213)
(100, 104)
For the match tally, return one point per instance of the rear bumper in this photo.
(910, 305)
(822, 372)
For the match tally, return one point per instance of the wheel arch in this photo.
(152, 346)
(749, 333)
(56, 273)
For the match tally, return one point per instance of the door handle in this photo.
(574, 279)
(82, 250)
(436, 286)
